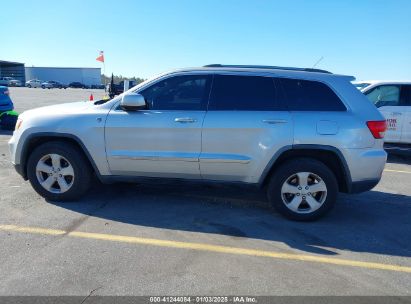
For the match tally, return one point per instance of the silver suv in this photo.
(302, 134)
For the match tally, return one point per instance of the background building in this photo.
(87, 76)
(12, 69)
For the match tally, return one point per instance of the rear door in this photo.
(244, 127)
(387, 99)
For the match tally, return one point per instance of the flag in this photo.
(100, 57)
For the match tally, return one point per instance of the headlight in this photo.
(18, 124)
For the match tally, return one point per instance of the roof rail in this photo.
(217, 65)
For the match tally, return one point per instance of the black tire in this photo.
(81, 168)
(292, 167)
(29, 86)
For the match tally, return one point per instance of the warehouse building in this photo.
(87, 76)
(12, 69)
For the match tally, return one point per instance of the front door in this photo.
(165, 139)
(406, 101)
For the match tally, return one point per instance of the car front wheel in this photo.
(58, 171)
(303, 189)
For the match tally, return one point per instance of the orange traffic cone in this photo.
(91, 97)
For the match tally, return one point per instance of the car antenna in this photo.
(318, 61)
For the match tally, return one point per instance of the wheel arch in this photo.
(328, 155)
(35, 140)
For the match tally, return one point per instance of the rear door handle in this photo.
(396, 113)
(185, 120)
(274, 121)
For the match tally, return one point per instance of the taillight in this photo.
(377, 128)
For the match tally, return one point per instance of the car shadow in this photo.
(399, 157)
(372, 222)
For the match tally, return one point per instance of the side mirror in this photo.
(133, 102)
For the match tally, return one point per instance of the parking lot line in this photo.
(399, 171)
(206, 247)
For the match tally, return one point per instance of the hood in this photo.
(61, 109)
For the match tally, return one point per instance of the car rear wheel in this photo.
(29, 86)
(58, 171)
(303, 189)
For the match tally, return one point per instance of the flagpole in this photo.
(104, 73)
(101, 59)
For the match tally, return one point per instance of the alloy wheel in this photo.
(304, 192)
(55, 173)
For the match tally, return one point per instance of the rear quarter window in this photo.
(307, 95)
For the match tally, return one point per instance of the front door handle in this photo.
(185, 120)
(397, 113)
(274, 121)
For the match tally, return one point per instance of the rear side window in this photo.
(243, 93)
(306, 95)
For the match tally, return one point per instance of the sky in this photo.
(369, 39)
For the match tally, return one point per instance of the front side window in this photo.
(307, 95)
(178, 93)
(385, 95)
(243, 93)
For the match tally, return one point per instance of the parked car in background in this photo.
(58, 85)
(51, 84)
(15, 83)
(5, 81)
(97, 86)
(47, 85)
(9, 82)
(393, 99)
(302, 134)
(6, 104)
(77, 85)
(34, 83)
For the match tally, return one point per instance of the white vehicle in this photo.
(34, 83)
(10, 82)
(393, 99)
